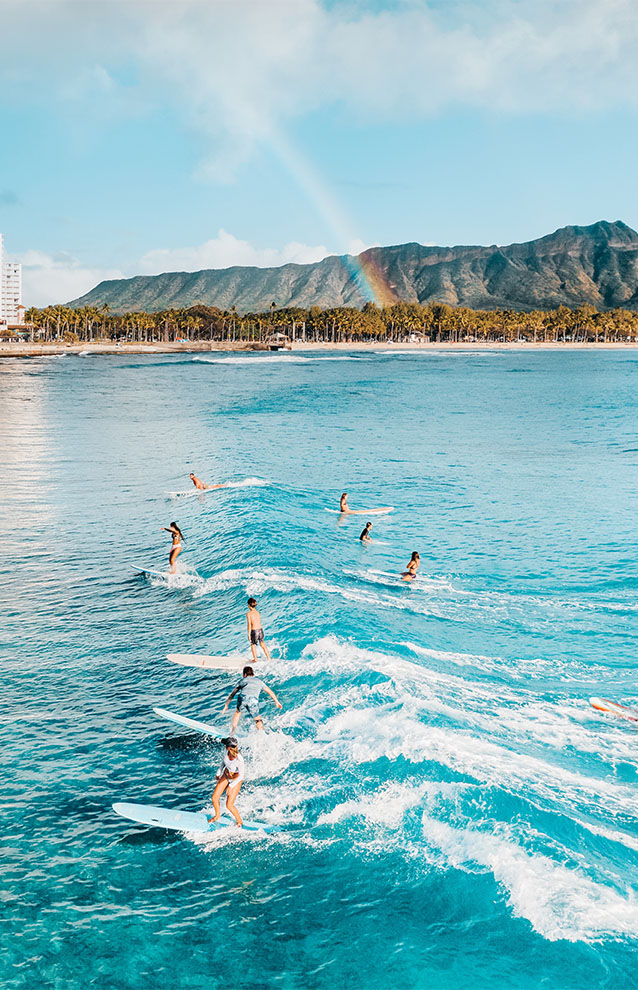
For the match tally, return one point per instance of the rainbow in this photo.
(365, 273)
(370, 280)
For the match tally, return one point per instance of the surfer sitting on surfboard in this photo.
(249, 688)
(365, 535)
(176, 547)
(255, 630)
(345, 509)
(410, 573)
(201, 485)
(229, 778)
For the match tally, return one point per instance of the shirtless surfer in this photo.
(229, 778)
(201, 485)
(343, 503)
(255, 630)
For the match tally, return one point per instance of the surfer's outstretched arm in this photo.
(230, 698)
(273, 696)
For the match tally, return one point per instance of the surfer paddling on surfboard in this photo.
(176, 547)
(229, 778)
(410, 573)
(248, 690)
(255, 630)
(201, 485)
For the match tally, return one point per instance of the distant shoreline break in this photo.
(21, 350)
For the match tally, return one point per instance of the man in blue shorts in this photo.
(248, 690)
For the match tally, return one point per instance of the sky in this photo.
(141, 136)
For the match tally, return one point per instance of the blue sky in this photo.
(148, 136)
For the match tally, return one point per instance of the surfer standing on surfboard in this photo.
(255, 630)
(410, 573)
(229, 778)
(176, 547)
(249, 688)
(201, 485)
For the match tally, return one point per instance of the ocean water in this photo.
(452, 811)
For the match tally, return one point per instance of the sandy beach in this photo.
(18, 350)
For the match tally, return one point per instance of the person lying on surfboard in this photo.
(248, 691)
(410, 573)
(365, 535)
(201, 485)
(255, 630)
(176, 547)
(229, 778)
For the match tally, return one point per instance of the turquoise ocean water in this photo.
(453, 813)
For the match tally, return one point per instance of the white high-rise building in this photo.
(10, 289)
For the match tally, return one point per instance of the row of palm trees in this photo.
(400, 322)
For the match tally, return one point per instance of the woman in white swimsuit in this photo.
(229, 778)
(176, 546)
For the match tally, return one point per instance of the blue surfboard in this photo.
(192, 723)
(183, 821)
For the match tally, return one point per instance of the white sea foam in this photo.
(386, 805)
(429, 595)
(559, 902)
(424, 582)
(370, 734)
(178, 580)
(273, 578)
(249, 359)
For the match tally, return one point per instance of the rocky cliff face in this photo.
(596, 264)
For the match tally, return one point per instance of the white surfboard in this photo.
(363, 512)
(147, 570)
(196, 491)
(242, 483)
(183, 821)
(233, 662)
(192, 723)
(614, 708)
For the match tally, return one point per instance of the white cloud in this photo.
(224, 251)
(240, 71)
(48, 279)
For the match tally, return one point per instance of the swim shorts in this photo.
(250, 705)
(256, 636)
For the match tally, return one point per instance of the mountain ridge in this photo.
(596, 264)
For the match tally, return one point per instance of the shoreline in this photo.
(22, 350)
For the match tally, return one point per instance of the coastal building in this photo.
(11, 309)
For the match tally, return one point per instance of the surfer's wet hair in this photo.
(252, 602)
(248, 672)
(175, 526)
(415, 555)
